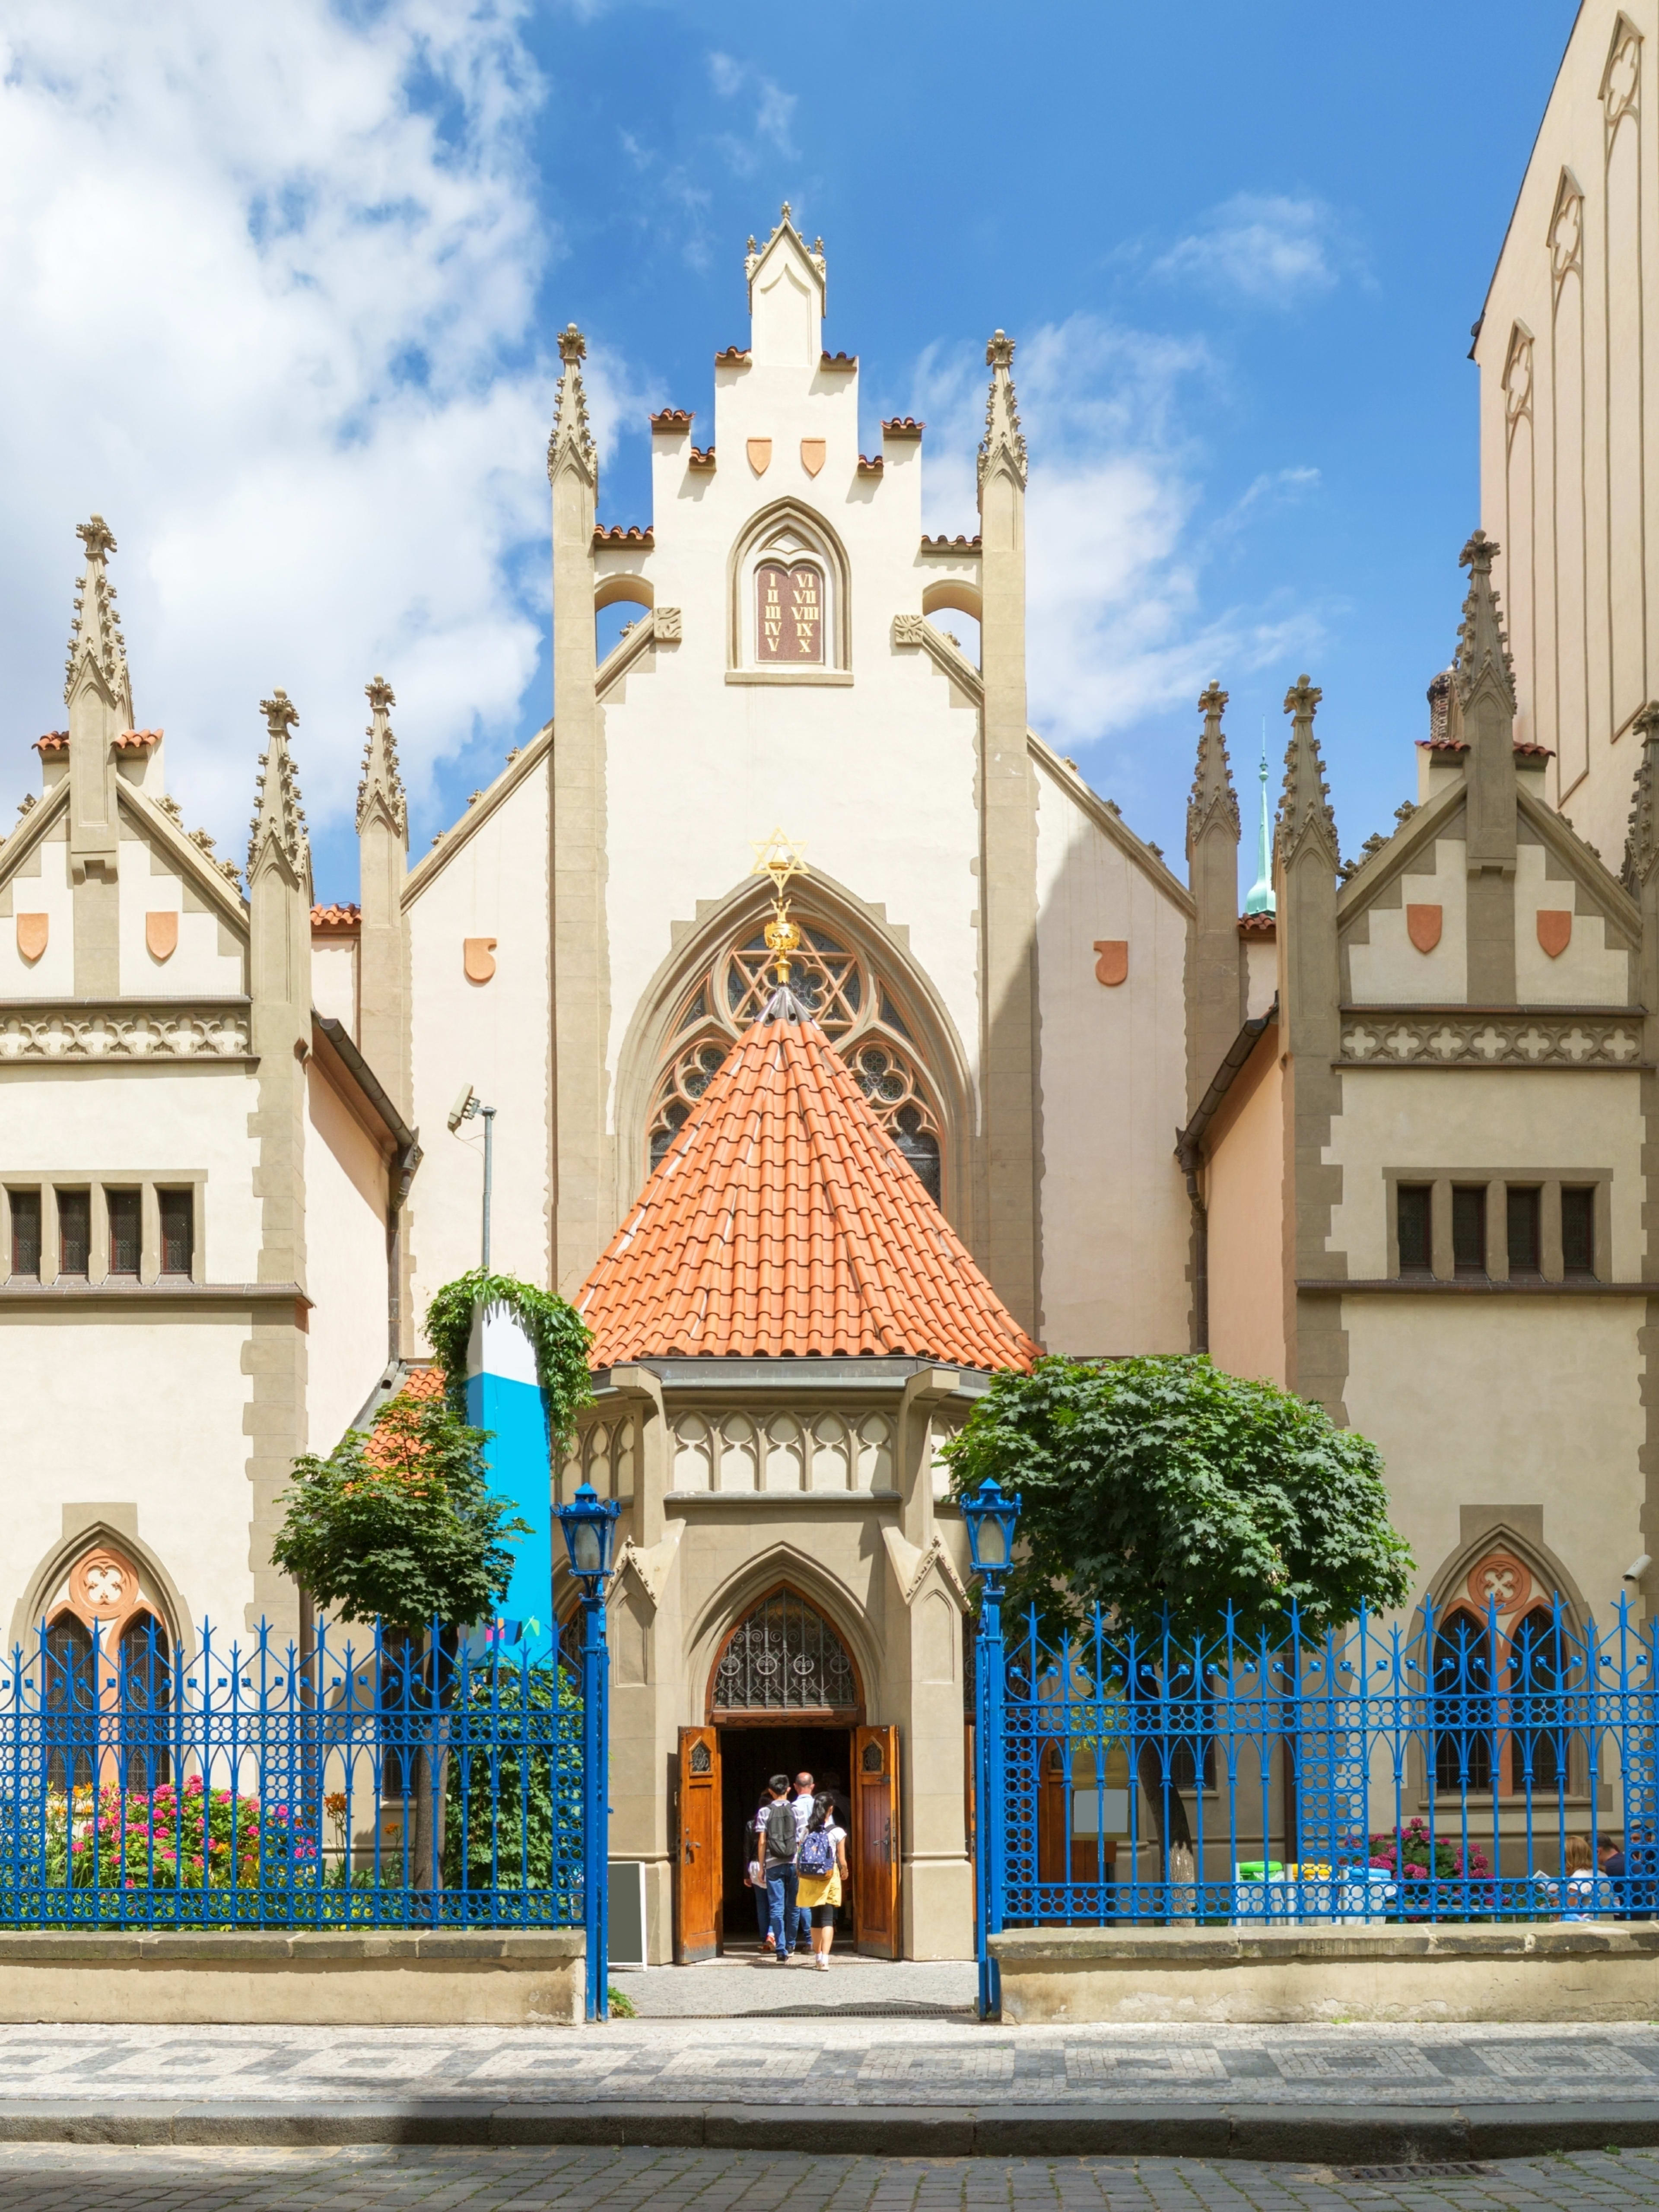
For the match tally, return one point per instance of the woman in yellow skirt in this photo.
(823, 1869)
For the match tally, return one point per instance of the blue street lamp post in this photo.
(992, 1520)
(589, 1525)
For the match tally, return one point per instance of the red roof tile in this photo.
(674, 418)
(1258, 924)
(903, 426)
(784, 1222)
(617, 534)
(56, 741)
(336, 921)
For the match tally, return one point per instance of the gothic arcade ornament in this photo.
(760, 455)
(1555, 930)
(813, 451)
(32, 931)
(1423, 925)
(1113, 965)
(161, 935)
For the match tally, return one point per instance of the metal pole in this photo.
(596, 1799)
(989, 1762)
(489, 1113)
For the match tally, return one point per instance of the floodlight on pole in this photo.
(466, 1105)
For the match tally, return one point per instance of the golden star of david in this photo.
(779, 857)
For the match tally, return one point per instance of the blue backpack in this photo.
(817, 1852)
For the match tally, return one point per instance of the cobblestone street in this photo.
(66, 2178)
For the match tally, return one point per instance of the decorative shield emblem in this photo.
(478, 955)
(1555, 930)
(1423, 927)
(161, 935)
(813, 451)
(32, 935)
(760, 455)
(1113, 965)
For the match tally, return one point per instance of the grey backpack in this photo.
(780, 1833)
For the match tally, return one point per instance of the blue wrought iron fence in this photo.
(367, 1781)
(1454, 1769)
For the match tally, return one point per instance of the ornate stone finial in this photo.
(1213, 795)
(571, 443)
(1003, 444)
(784, 217)
(95, 641)
(1642, 845)
(1482, 649)
(1304, 804)
(380, 786)
(278, 827)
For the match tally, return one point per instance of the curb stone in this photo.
(1320, 2136)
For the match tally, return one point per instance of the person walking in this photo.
(780, 1841)
(822, 1871)
(755, 1873)
(801, 1806)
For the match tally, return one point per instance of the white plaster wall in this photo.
(1589, 973)
(205, 962)
(1260, 975)
(137, 1409)
(494, 1035)
(42, 886)
(138, 1120)
(1530, 1120)
(1114, 1213)
(1389, 970)
(1504, 1400)
(334, 980)
(876, 777)
(1244, 1193)
(348, 1344)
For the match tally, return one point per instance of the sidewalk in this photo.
(906, 2087)
(754, 1986)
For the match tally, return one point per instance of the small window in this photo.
(73, 1231)
(124, 1229)
(1521, 1210)
(178, 1209)
(1578, 1232)
(26, 1232)
(1469, 1229)
(1416, 1226)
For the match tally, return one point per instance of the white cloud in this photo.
(1116, 535)
(1267, 246)
(274, 320)
(775, 110)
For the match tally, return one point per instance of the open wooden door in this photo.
(698, 1857)
(874, 1858)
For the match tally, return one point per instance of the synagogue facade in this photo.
(843, 1047)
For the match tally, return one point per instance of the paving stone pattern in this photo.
(68, 2179)
(839, 2062)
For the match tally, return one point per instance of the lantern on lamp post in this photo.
(589, 1523)
(992, 1521)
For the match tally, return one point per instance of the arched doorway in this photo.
(784, 1696)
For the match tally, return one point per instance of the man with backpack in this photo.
(779, 1847)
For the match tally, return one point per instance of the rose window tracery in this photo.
(855, 1007)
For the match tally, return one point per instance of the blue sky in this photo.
(1241, 250)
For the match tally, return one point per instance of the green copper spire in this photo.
(1260, 900)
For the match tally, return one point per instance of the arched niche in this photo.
(789, 537)
(666, 1025)
(61, 1585)
(956, 593)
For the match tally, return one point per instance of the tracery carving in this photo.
(1566, 229)
(183, 1033)
(784, 1657)
(1517, 377)
(1382, 1039)
(726, 1451)
(851, 1002)
(1621, 79)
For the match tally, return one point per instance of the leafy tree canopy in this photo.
(400, 1526)
(1163, 1487)
(556, 1331)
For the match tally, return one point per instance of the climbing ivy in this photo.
(556, 1331)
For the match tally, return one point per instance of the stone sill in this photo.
(325, 1947)
(1129, 1949)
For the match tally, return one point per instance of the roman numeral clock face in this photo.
(788, 613)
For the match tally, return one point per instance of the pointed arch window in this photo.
(784, 1657)
(790, 600)
(858, 1009)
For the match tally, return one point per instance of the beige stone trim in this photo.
(432, 864)
(108, 1031)
(1105, 816)
(1593, 1039)
(84, 1527)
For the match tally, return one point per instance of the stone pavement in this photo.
(730, 1987)
(932, 2086)
(37, 2177)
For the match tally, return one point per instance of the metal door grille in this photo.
(785, 1657)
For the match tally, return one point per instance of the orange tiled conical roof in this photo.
(785, 1222)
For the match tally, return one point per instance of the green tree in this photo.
(400, 1526)
(1169, 1490)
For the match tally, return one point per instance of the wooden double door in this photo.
(722, 1772)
